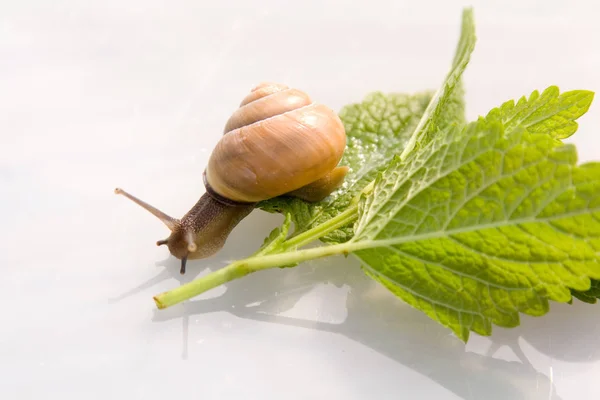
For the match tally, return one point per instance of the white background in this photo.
(95, 95)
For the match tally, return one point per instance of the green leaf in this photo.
(554, 114)
(589, 296)
(483, 223)
(377, 128)
(550, 113)
(273, 243)
(448, 102)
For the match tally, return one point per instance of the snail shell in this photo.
(276, 142)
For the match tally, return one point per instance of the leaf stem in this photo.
(241, 268)
(323, 229)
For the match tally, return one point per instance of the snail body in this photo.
(278, 142)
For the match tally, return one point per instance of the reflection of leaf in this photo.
(481, 224)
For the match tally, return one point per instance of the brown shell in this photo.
(276, 142)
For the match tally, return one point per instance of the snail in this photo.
(278, 142)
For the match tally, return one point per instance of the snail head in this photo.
(201, 232)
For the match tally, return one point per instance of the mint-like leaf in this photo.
(550, 113)
(482, 224)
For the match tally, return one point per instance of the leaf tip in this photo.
(464, 335)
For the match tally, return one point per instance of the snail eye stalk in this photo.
(170, 222)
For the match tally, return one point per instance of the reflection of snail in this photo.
(277, 143)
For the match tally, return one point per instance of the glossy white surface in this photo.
(95, 95)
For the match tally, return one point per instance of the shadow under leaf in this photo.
(378, 320)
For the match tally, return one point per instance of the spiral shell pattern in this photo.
(276, 142)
